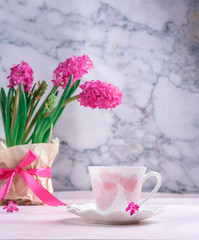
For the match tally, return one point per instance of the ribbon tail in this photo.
(40, 191)
(6, 186)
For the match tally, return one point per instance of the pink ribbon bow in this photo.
(32, 183)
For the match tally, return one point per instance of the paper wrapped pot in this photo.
(19, 191)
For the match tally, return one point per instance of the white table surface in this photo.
(180, 220)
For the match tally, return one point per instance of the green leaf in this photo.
(35, 105)
(2, 106)
(8, 117)
(39, 129)
(14, 109)
(38, 125)
(3, 95)
(18, 118)
(56, 93)
(73, 88)
(48, 122)
(23, 114)
(36, 94)
(37, 115)
(46, 136)
(28, 141)
(33, 88)
(28, 98)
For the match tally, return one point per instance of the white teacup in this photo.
(114, 187)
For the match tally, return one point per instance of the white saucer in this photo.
(89, 212)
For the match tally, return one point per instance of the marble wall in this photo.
(150, 49)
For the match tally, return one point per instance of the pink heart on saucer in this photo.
(104, 193)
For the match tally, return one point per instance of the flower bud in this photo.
(51, 102)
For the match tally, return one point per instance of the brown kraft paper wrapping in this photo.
(11, 157)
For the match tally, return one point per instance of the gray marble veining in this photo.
(150, 49)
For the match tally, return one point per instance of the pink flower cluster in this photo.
(21, 73)
(11, 207)
(77, 66)
(132, 207)
(99, 94)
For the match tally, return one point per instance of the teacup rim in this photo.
(116, 166)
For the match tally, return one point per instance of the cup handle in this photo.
(156, 188)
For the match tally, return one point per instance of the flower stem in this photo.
(16, 103)
(70, 100)
(29, 115)
(37, 115)
(51, 130)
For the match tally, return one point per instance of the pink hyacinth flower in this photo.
(11, 207)
(99, 94)
(77, 66)
(21, 73)
(132, 207)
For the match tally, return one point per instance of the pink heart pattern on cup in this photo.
(106, 176)
(129, 185)
(108, 188)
